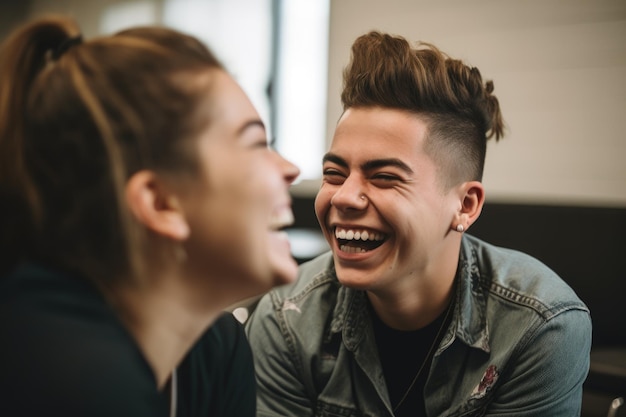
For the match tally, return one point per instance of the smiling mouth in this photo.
(281, 219)
(358, 240)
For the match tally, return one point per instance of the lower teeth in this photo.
(351, 249)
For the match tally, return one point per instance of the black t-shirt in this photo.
(217, 376)
(402, 354)
(64, 352)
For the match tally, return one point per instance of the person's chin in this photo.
(285, 270)
(357, 281)
(284, 266)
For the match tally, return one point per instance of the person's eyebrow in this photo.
(369, 165)
(381, 163)
(250, 124)
(336, 159)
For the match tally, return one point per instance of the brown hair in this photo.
(461, 112)
(76, 121)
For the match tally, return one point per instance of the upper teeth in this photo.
(350, 234)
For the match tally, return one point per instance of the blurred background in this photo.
(559, 68)
(556, 184)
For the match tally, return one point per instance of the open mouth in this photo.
(281, 219)
(358, 240)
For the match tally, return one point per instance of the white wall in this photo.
(559, 69)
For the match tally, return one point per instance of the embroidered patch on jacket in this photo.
(486, 383)
(289, 305)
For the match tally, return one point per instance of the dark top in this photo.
(404, 354)
(64, 352)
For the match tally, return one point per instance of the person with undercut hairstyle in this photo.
(139, 200)
(408, 314)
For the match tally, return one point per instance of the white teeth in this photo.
(357, 235)
(282, 218)
(351, 249)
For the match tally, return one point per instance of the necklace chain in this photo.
(430, 351)
(173, 394)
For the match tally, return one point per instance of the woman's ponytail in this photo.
(23, 57)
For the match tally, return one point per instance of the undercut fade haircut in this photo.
(459, 109)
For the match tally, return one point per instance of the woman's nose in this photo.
(290, 170)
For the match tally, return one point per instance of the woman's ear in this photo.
(472, 199)
(154, 206)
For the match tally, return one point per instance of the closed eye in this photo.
(261, 143)
(333, 176)
(385, 177)
(383, 180)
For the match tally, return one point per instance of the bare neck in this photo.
(416, 302)
(163, 321)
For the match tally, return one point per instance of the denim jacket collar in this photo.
(469, 321)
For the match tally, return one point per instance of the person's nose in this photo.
(290, 170)
(350, 195)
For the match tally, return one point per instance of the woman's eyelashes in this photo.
(265, 143)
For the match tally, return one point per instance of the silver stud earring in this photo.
(363, 197)
(460, 228)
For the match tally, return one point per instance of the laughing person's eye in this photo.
(385, 177)
(333, 176)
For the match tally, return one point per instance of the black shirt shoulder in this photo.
(64, 351)
(217, 377)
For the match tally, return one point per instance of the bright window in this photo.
(301, 83)
(276, 49)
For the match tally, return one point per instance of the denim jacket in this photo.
(517, 345)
